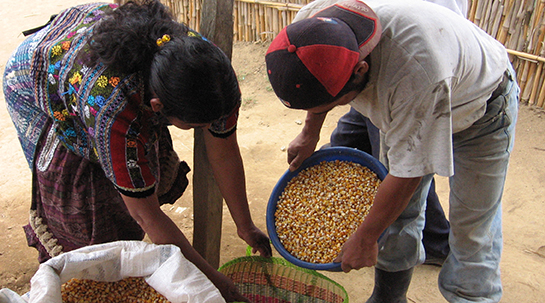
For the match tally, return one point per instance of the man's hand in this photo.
(305, 143)
(301, 148)
(356, 254)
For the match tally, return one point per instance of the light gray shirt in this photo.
(430, 77)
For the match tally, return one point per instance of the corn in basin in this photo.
(322, 206)
(133, 289)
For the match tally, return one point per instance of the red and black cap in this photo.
(311, 60)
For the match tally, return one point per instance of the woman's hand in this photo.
(228, 289)
(257, 239)
(162, 230)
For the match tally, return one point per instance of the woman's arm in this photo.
(162, 230)
(227, 166)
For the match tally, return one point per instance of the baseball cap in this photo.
(310, 61)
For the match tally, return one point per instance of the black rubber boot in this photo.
(391, 287)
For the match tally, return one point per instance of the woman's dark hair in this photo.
(125, 39)
(192, 78)
(195, 71)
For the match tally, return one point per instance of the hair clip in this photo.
(161, 41)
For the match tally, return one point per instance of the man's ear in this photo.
(361, 68)
(156, 105)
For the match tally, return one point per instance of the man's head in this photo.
(311, 61)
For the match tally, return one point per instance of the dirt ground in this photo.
(265, 129)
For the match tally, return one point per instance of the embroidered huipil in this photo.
(98, 113)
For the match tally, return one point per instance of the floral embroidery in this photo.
(74, 107)
(73, 100)
(97, 15)
(51, 79)
(84, 69)
(90, 20)
(196, 35)
(59, 116)
(86, 112)
(91, 100)
(85, 103)
(56, 50)
(114, 81)
(100, 101)
(102, 81)
(71, 90)
(75, 79)
(65, 45)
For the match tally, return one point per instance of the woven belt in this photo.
(501, 87)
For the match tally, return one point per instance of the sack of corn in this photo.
(119, 271)
(275, 280)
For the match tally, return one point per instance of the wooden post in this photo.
(216, 25)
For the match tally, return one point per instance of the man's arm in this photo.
(305, 143)
(393, 195)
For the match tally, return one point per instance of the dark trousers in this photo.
(355, 130)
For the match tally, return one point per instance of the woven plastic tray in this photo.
(275, 280)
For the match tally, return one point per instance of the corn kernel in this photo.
(132, 289)
(322, 206)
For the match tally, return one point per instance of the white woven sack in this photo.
(162, 266)
(9, 296)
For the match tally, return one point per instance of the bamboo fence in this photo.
(254, 20)
(518, 24)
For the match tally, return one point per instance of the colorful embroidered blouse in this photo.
(99, 113)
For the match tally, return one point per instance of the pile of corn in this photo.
(322, 206)
(130, 290)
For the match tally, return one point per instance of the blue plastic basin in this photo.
(327, 154)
